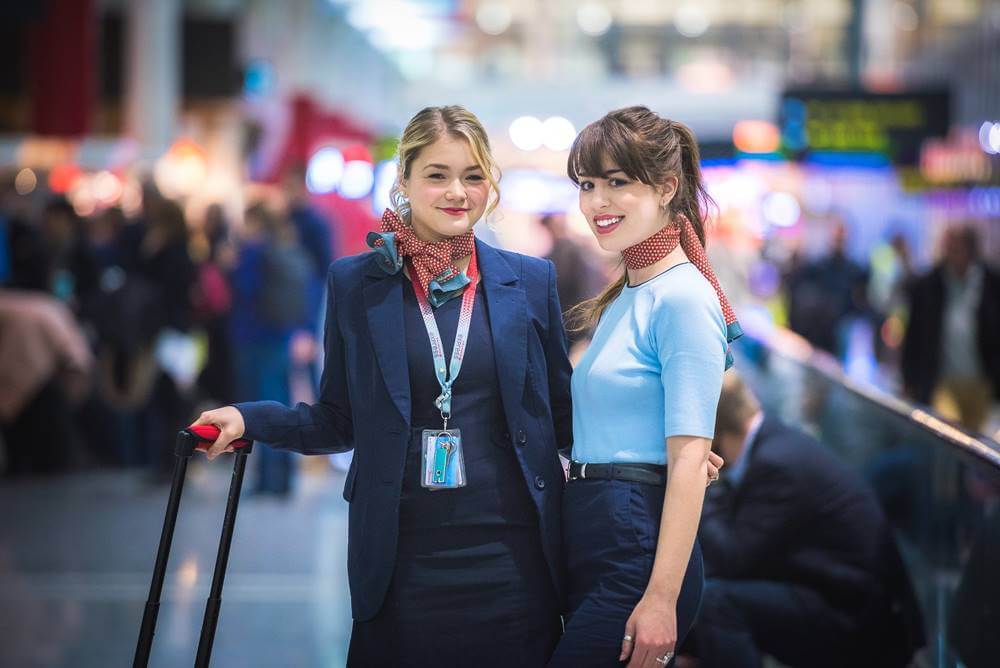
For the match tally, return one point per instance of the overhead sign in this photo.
(892, 126)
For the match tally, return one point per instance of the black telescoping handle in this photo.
(149, 615)
(188, 440)
(214, 603)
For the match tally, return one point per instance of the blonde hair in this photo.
(428, 126)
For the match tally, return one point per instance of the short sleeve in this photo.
(690, 339)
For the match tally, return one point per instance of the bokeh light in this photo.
(527, 133)
(324, 170)
(25, 181)
(358, 179)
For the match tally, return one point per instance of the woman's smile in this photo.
(607, 223)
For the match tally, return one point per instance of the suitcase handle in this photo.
(198, 437)
(202, 436)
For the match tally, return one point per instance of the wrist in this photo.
(661, 593)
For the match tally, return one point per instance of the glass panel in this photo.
(939, 486)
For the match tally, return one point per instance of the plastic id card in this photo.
(444, 465)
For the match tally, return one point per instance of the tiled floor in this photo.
(77, 552)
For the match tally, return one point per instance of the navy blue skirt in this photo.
(610, 530)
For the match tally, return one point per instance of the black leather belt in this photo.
(650, 474)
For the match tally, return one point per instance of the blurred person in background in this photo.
(951, 349)
(103, 233)
(45, 364)
(800, 561)
(164, 261)
(312, 228)
(824, 294)
(74, 269)
(143, 310)
(644, 396)
(212, 304)
(270, 302)
(578, 276)
(891, 272)
(316, 237)
(441, 573)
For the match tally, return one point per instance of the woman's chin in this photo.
(455, 228)
(609, 245)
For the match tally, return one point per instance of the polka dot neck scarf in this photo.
(661, 244)
(432, 261)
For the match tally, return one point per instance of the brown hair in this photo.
(737, 404)
(426, 127)
(649, 149)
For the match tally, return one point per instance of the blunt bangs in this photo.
(607, 140)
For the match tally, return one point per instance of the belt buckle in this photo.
(583, 471)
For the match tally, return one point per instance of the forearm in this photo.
(687, 475)
(309, 429)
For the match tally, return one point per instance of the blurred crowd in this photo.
(116, 330)
(932, 331)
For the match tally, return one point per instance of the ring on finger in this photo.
(665, 659)
(627, 638)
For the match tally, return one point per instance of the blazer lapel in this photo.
(384, 305)
(508, 323)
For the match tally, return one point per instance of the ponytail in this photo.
(692, 199)
(586, 314)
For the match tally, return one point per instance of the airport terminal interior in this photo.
(177, 175)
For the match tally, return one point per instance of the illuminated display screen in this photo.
(890, 125)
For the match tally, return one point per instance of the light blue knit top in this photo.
(653, 370)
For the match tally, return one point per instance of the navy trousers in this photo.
(743, 619)
(610, 530)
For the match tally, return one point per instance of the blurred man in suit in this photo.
(799, 559)
(951, 351)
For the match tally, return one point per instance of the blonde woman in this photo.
(446, 371)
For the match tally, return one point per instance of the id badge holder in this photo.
(444, 464)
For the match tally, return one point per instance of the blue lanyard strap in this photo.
(446, 375)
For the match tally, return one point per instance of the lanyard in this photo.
(446, 375)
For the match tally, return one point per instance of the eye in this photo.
(586, 186)
(615, 182)
(476, 177)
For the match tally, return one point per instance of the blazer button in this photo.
(539, 482)
(522, 438)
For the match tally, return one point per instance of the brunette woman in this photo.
(644, 395)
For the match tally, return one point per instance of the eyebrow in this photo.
(605, 175)
(438, 165)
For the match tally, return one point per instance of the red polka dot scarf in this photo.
(661, 244)
(433, 262)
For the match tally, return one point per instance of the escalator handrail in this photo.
(788, 344)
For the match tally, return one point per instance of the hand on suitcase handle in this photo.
(224, 426)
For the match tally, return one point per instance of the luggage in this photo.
(188, 440)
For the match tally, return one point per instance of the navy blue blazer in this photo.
(364, 402)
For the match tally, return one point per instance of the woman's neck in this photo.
(639, 276)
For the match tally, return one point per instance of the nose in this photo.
(456, 191)
(597, 199)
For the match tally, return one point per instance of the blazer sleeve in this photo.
(737, 539)
(311, 429)
(557, 360)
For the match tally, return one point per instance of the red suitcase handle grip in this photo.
(207, 435)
